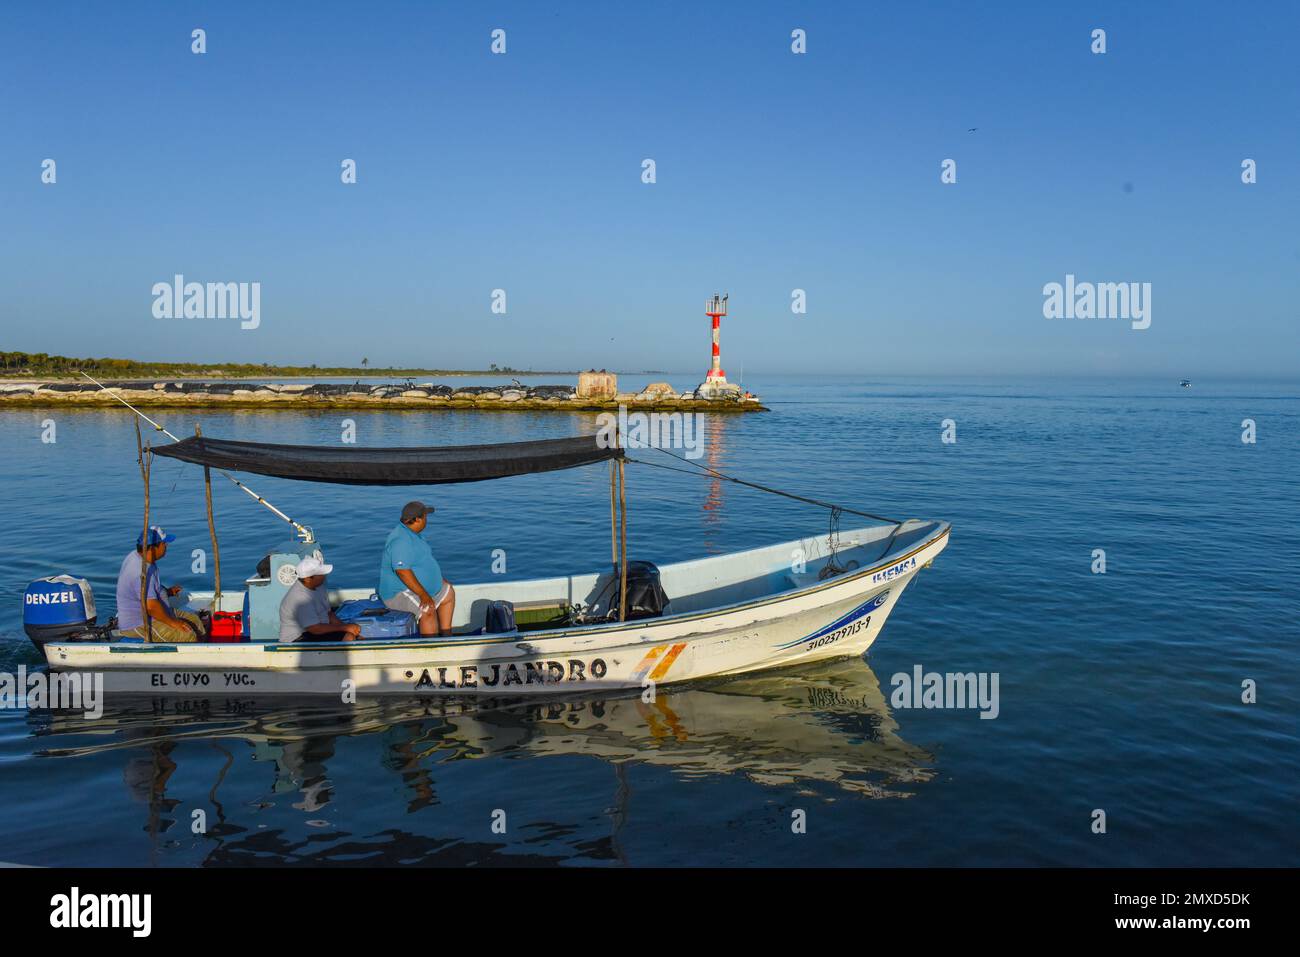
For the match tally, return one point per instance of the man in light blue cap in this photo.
(153, 619)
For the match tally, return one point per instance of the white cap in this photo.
(312, 565)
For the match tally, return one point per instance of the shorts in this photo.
(163, 633)
(405, 600)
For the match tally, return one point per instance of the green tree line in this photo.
(44, 364)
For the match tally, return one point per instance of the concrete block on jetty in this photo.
(597, 385)
(596, 391)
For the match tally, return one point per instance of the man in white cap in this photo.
(305, 613)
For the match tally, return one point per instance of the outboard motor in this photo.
(645, 595)
(57, 608)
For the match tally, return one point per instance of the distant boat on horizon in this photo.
(1186, 383)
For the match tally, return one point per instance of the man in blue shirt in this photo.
(410, 578)
(153, 619)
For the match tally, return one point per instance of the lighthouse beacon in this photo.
(715, 384)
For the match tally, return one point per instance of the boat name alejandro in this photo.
(535, 672)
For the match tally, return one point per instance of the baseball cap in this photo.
(413, 510)
(156, 537)
(312, 565)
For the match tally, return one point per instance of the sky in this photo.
(774, 172)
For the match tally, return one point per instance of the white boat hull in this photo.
(808, 621)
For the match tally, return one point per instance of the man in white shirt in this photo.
(305, 613)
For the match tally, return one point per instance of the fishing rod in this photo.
(304, 531)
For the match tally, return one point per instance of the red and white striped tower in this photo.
(715, 309)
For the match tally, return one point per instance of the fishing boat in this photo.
(630, 624)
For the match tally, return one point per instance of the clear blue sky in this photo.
(775, 172)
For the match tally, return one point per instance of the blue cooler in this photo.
(376, 619)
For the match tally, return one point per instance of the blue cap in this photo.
(156, 537)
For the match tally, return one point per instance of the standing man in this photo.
(155, 620)
(410, 578)
(305, 613)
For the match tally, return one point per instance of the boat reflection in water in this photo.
(826, 724)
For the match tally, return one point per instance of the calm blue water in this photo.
(1118, 691)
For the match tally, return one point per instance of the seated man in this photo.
(155, 620)
(410, 578)
(305, 613)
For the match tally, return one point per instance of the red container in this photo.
(227, 626)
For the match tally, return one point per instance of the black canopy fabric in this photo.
(396, 466)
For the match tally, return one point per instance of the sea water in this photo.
(1121, 736)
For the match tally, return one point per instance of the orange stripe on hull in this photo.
(649, 658)
(667, 663)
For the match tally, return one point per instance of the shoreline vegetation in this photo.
(197, 386)
(54, 368)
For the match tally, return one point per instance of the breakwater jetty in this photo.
(595, 392)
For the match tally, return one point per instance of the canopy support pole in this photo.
(144, 536)
(613, 515)
(212, 529)
(622, 519)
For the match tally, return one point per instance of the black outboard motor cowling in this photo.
(57, 608)
(645, 594)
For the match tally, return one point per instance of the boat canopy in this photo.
(432, 465)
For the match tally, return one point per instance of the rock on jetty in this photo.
(327, 395)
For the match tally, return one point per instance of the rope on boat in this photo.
(832, 567)
(762, 488)
(304, 531)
